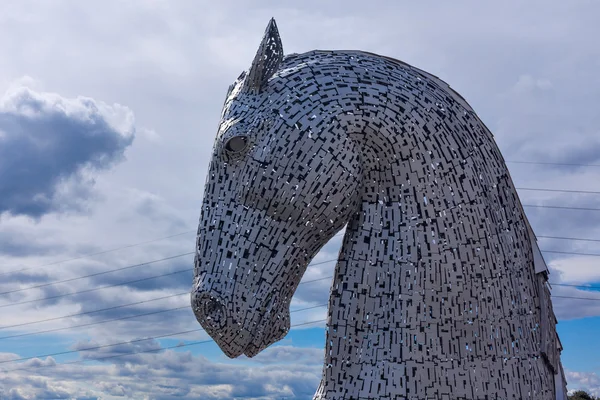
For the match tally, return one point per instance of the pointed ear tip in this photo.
(272, 24)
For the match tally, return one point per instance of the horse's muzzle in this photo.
(210, 310)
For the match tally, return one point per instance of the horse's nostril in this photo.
(210, 310)
(214, 309)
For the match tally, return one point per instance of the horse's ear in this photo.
(267, 60)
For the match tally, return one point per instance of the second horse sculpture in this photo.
(439, 290)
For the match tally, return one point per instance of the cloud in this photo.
(288, 355)
(574, 270)
(15, 244)
(587, 381)
(49, 144)
(165, 375)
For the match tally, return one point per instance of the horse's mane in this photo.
(324, 55)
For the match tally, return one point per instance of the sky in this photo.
(108, 112)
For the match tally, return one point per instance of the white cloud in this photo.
(171, 374)
(587, 381)
(577, 269)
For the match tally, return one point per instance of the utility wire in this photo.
(553, 163)
(562, 207)
(152, 350)
(97, 288)
(94, 323)
(176, 272)
(191, 269)
(95, 274)
(60, 353)
(580, 298)
(123, 306)
(172, 334)
(106, 272)
(123, 318)
(142, 351)
(178, 308)
(92, 312)
(567, 238)
(559, 190)
(571, 252)
(188, 253)
(95, 254)
(117, 344)
(120, 284)
(188, 307)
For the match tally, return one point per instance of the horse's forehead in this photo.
(249, 108)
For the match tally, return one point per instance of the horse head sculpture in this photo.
(437, 291)
(266, 211)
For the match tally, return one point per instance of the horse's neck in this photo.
(437, 249)
(364, 335)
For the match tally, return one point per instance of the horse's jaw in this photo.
(248, 343)
(236, 336)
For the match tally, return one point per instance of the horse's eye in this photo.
(236, 144)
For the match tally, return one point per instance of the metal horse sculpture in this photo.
(439, 290)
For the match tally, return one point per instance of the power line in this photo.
(120, 284)
(173, 334)
(91, 312)
(60, 353)
(172, 273)
(156, 312)
(96, 254)
(580, 298)
(189, 253)
(142, 351)
(117, 307)
(121, 319)
(567, 238)
(97, 288)
(120, 343)
(559, 190)
(556, 284)
(105, 272)
(562, 207)
(187, 307)
(571, 252)
(190, 269)
(96, 274)
(95, 323)
(553, 163)
(165, 348)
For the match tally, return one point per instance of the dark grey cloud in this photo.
(47, 145)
